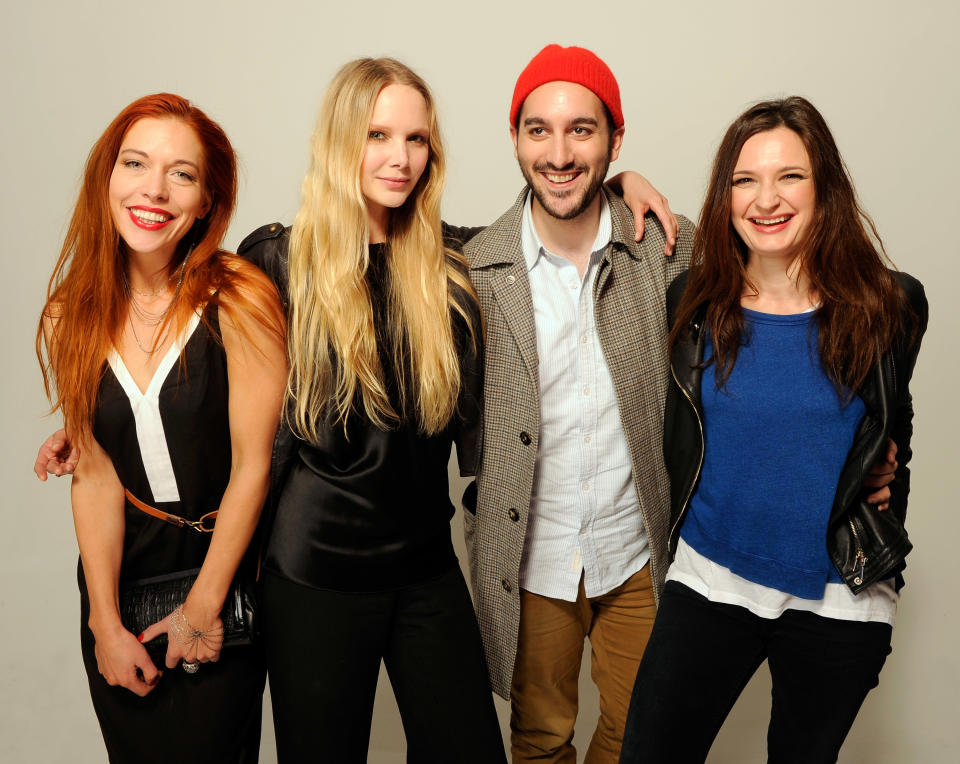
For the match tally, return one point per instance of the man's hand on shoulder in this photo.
(57, 456)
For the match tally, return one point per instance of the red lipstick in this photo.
(149, 225)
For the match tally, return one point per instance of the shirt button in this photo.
(586, 438)
(583, 339)
(586, 486)
(525, 438)
(573, 285)
(586, 390)
(513, 515)
(507, 586)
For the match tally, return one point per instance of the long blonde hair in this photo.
(332, 339)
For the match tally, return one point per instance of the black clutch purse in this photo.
(147, 600)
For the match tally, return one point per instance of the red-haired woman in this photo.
(791, 349)
(168, 363)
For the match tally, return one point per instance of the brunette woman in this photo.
(166, 356)
(792, 347)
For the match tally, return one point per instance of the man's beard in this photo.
(546, 198)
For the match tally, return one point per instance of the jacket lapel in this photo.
(498, 262)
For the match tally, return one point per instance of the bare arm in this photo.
(257, 374)
(98, 515)
(96, 496)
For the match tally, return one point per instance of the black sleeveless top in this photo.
(369, 510)
(178, 462)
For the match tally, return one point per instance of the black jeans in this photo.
(323, 658)
(702, 654)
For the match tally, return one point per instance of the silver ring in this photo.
(191, 668)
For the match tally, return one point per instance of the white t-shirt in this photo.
(877, 602)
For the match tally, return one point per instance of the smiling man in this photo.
(567, 522)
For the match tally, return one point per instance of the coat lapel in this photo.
(497, 263)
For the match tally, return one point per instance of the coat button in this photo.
(525, 438)
(513, 515)
(511, 278)
(507, 586)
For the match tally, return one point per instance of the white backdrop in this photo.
(883, 73)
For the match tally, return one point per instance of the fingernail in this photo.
(140, 637)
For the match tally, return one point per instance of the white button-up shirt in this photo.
(584, 515)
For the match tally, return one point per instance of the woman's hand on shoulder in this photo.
(123, 661)
(641, 197)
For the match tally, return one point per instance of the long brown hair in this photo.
(86, 301)
(860, 303)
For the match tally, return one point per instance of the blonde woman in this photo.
(385, 373)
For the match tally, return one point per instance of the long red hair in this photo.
(861, 306)
(86, 301)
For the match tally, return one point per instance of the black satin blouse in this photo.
(369, 510)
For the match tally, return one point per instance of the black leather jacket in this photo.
(865, 544)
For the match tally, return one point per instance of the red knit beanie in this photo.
(571, 64)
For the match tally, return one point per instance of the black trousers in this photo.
(702, 654)
(212, 716)
(323, 657)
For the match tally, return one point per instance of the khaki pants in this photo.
(549, 651)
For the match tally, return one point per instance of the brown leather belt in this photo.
(200, 526)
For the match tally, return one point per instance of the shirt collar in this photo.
(533, 245)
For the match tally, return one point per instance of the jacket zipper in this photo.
(893, 371)
(686, 501)
(859, 557)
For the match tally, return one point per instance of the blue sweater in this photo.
(776, 439)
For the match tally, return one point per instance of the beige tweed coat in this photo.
(628, 297)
